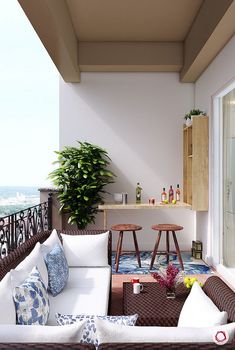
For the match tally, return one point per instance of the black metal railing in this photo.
(17, 228)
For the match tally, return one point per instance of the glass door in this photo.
(228, 103)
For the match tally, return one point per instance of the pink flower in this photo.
(168, 277)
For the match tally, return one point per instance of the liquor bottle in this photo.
(138, 193)
(177, 193)
(171, 194)
(163, 195)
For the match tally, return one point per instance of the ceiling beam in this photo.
(211, 30)
(130, 56)
(52, 23)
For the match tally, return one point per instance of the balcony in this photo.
(18, 227)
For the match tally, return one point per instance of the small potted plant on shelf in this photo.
(188, 116)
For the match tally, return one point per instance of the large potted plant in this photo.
(81, 177)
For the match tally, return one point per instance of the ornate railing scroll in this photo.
(19, 227)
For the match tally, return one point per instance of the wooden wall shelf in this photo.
(133, 206)
(195, 171)
(143, 206)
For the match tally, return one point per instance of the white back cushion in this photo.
(200, 311)
(51, 241)
(35, 258)
(7, 307)
(86, 250)
(41, 334)
(112, 333)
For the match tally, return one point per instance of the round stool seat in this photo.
(126, 227)
(167, 227)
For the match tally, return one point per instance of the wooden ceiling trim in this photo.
(130, 56)
(211, 30)
(52, 23)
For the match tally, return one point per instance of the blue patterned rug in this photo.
(128, 264)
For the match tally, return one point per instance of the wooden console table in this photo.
(112, 206)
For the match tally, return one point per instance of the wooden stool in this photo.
(122, 228)
(168, 228)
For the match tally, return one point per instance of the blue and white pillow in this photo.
(31, 300)
(58, 270)
(89, 334)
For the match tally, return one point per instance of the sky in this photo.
(29, 102)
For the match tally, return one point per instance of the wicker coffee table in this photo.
(152, 305)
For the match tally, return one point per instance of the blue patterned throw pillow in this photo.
(89, 331)
(31, 300)
(58, 270)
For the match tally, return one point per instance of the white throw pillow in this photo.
(51, 241)
(200, 311)
(112, 333)
(86, 250)
(35, 258)
(7, 307)
(41, 334)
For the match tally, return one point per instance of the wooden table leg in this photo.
(155, 249)
(119, 250)
(178, 250)
(137, 249)
(118, 244)
(167, 247)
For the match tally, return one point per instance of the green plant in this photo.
(194, 112)
(81, 177)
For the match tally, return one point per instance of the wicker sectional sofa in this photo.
(87, 289)
(215, 288)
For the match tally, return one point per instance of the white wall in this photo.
(137, 117)
(216, 76)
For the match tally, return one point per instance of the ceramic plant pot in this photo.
(188, 122)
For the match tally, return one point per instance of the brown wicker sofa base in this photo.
(45, 346)
(164, 346)
(116, 346)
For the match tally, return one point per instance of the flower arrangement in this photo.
(168, 277)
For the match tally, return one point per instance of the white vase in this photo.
(188, 122)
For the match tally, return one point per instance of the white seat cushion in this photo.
(86, 292)
(7, 306)
(200, 311)
(108, 332)
(86, 250)
(41, 334)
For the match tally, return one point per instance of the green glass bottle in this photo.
(138, 193)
